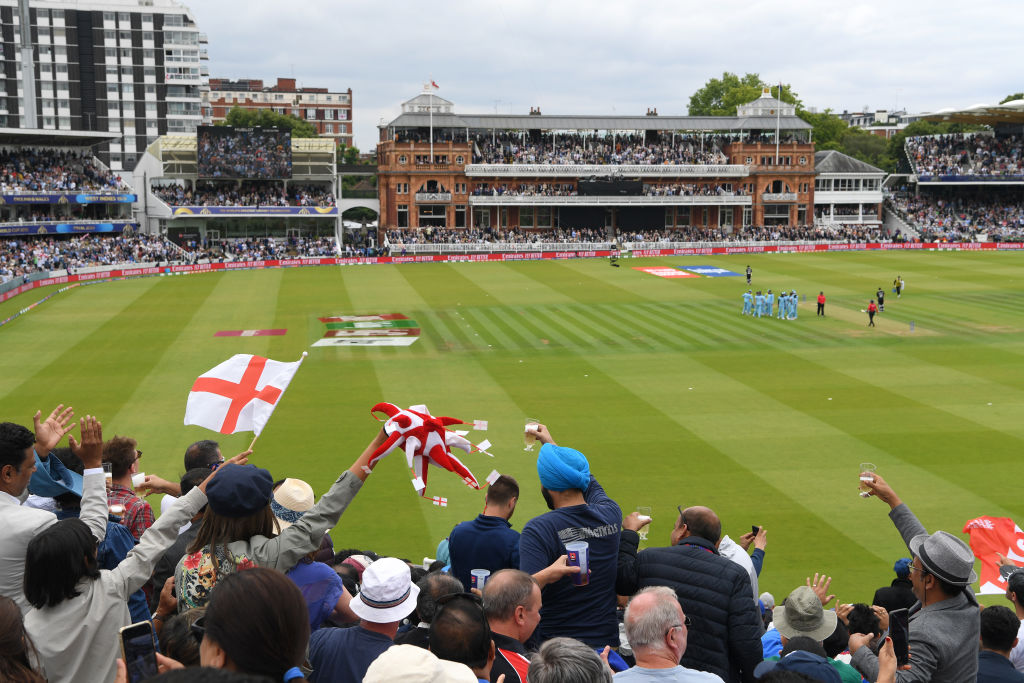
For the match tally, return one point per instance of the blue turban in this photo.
(902, 567)
(562, 468)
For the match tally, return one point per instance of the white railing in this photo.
(433, 196)
(605, 170)
(398, 248)
(660, 200)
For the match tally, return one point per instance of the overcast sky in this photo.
(603, 57)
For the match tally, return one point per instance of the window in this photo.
(460, 216)
(403, 159)
(403, 215)
(526, 216)
(328, 127)
(803, 161)
(460, 160)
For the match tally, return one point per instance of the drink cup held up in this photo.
(478, 578)
(578, 552)
(867, 474)
(530, 433)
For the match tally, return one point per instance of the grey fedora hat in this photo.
(803, 615)
(945, 556)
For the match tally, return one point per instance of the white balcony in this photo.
(779, 197)
(848, 197)
(605, 170)
(424, 197)
(639, 200)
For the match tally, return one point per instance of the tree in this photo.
(268, 118)
(1010, 98)
(828, 128)
(348, 155)
(721, 96)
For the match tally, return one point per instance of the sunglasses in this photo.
(198, 629)
(682, 515)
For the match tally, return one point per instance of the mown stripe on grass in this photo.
(33, 342)
(147, 327)
(885, 420)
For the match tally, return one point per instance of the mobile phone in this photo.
(755, 529)
(138, 648)
(899, 631)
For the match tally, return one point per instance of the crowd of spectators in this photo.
(836, 232)
(43, 170)
(691, 190)
(247, 193)
(967, 154)
(398, 238)
(528, 190)
(955, 219)
(20, 256)
(510, 148)
(239, 574)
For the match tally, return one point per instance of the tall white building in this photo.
(132, 67)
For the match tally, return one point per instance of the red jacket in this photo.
(872, 308)
(821, 298)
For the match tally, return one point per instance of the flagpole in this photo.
(256, 436)
(431, 108)
(778, 123)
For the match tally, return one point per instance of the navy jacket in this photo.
(725, 635)
(483, 543)
(995, 668)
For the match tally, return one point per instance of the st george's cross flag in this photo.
(989, 538)
(240, 394)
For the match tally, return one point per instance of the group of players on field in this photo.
(760, 305)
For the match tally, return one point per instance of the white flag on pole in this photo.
(240, 394)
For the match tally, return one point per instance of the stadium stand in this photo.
(967, 156)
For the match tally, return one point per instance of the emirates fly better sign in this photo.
(386, 329)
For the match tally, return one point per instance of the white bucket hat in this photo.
(386, 592)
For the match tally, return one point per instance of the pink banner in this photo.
(518, 256)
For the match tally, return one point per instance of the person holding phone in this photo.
(944, 625)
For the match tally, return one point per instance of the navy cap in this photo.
(239, 490)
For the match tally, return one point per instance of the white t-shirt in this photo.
(1017, 653)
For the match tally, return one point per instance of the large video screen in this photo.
(226, 152)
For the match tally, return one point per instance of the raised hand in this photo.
(820, 586)
(50, 431)
(878, 487)
(90, 450)
(761, 539)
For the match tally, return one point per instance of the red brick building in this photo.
(442, 169)
(330, 112)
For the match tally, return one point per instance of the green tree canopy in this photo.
(721, 96)
(268, 118)
(1010, 98)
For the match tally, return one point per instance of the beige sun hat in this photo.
(292, 499)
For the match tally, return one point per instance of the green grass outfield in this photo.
(673, 395)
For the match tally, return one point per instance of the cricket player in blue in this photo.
(748, 300)
(794, 299)
(758, 304)
(781, 314)
(769, 299)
